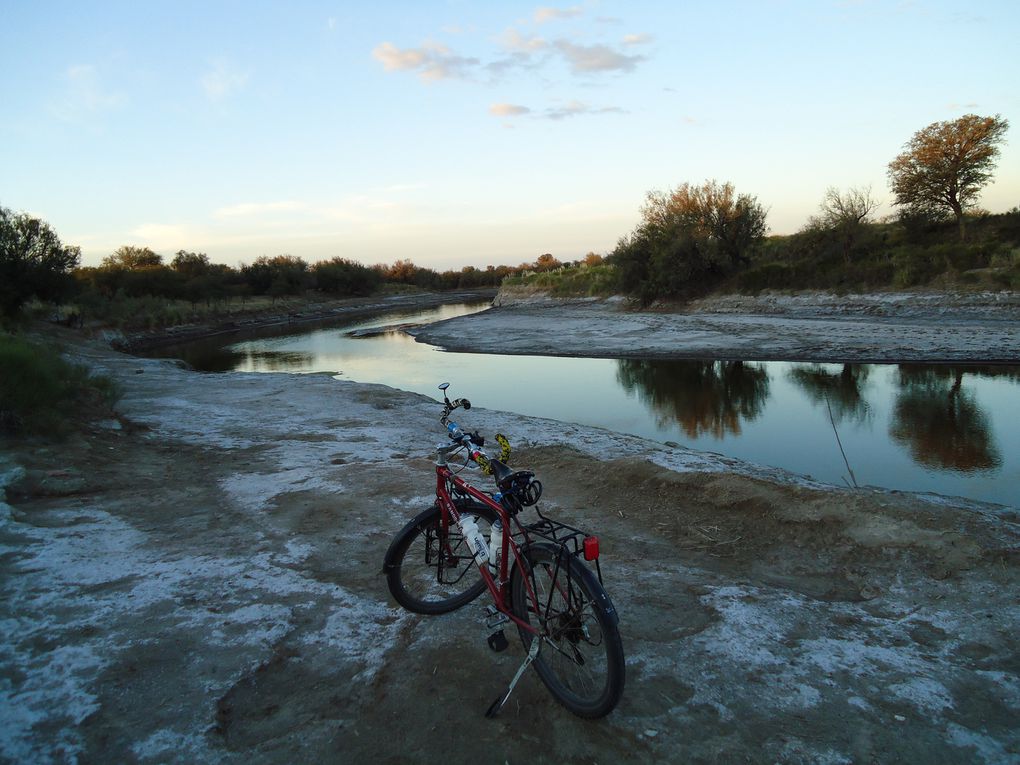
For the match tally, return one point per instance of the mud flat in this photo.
(198, 581)
(897, 327)
(307, 315)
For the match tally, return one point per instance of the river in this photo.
(946, 429)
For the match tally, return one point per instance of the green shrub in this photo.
(767, 276)
(913, 266)
(40, 392)
(570, 281)
(1005, 257)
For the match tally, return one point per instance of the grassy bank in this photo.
(877, 257)
(41, 393)
(570, 281)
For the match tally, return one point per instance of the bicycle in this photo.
(443, 559)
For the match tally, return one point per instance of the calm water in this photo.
(941, 428)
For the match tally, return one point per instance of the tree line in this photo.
(138, 271)
(689, 240)
(34, 264)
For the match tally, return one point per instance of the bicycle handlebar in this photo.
(518, 487)
(472, 441)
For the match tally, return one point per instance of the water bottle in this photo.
(473, 537)
(495, 546)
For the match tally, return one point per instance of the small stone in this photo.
(651, 733)
(899, 718)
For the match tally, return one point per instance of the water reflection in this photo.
(274, 361)
(842, 391)
(940, 422)
(703, 397)
(950, 429)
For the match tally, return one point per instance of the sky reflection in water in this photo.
(949, 429)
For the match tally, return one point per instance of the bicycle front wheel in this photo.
(580, 659)
(432, 571)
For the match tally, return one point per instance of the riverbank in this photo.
(894, 327)
(198, 581)
(302, 315)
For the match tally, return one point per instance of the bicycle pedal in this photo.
(498, 642)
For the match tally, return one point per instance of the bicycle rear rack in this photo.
(570, 539)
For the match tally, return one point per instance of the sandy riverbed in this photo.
(982, 327)
(198, 581)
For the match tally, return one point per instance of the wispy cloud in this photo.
(544, 14)
(253, 209)
(513, 40)
(402, 187)
(432, 61)
(569, 109)
(577, 109)
(85, 96)
(524, 52)
(508, 110)
(595, 58)
(637, 39)
(372, 206)
(223, 79)
(167, 236)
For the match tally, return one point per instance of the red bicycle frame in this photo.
(498, 586)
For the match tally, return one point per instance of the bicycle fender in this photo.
(596, 588)
(412, 527)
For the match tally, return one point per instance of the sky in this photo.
(470, 133)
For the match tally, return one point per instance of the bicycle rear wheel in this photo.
(581, 656)
(430, 571)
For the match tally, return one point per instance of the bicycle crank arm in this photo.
(498, 703)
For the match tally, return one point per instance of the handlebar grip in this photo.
(481, 460)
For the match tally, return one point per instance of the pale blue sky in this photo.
(459, 133)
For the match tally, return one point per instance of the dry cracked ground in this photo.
(199, 581)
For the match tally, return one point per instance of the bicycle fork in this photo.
(497, 705)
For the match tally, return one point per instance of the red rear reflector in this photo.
(591, 548)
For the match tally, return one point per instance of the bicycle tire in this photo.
(426, 582)
(581, 658)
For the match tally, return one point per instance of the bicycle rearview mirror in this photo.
(444, 386)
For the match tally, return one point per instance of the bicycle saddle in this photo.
(500, 471)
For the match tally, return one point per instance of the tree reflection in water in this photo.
(842, 390)
(277, 361)
(940, 423)
(711, 397)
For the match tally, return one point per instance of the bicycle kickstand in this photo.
(532, 653)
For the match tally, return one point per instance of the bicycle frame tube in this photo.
(498, 589)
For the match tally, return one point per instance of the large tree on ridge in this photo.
(943, 168)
